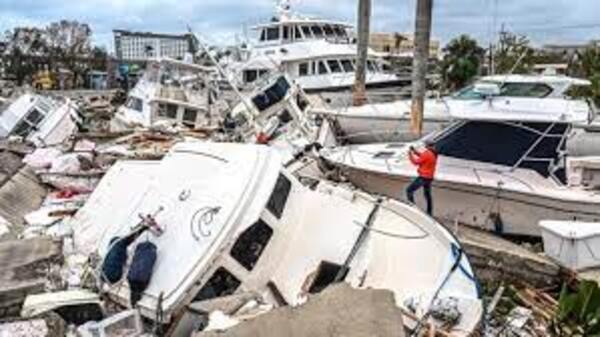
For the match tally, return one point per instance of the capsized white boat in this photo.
(170, 91)
(42, 120)
(508, 95)
(497, 174)
(236, 221)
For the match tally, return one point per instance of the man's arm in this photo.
(415, 157)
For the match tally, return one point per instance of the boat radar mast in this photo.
(283, 8)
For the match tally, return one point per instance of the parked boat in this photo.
(500, 94)
(235, 221)
(318, 54)
(497, 174)
(39, 119)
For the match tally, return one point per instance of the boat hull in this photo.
(492, 209)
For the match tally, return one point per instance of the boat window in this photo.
(29, 123)
(221, 283)
(370, 66)
(251, 243)
(167, 110)
(328, 31)
(313, 67)
(505, 144)
(322, 68)
(273, 95)
(279, 196)
(384, 155)
(135, 103)
(303, 69)
(335, 66)
(297, 33)
(538, 90)
(286, 32)
(326, 275)
(262, 72)
(272, 33)
(263, 35)
(317, 31)
(347, 65)
(467, 93)
(306, 31)
(250, 76)
(340, 31)
(189, 116)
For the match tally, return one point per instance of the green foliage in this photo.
(514, 55)
(587, 65)
(579, 311)
(461, 61)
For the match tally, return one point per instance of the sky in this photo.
(224, 22)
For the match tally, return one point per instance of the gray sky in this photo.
(220, 21)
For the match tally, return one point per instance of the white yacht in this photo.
(498, 174)
(499, 94)
(169, 91)
(319, 54)
(42, 120)
(234, 221)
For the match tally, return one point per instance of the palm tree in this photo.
(364, 18)
(420, 61)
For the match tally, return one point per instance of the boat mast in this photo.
(364, 17)
(420, 61)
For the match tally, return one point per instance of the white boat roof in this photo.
(550, 79)
(192, 178)
(301, 21)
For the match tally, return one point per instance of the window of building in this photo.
(135, 104)
(347, 65)
(251, 243)
(334, 66)
(322, 68)
(317, 31)
(303, 69)
(167, 110)
(272, 33)
(222, 283)
(189, 116)
(307, 32)
(279, 196)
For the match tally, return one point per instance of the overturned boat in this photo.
(234, 221)
(173, 92)
(42, 120)
(510, 95)
(500, 174)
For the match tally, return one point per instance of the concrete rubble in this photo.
(337, 311)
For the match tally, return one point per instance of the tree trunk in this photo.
(420, 60)
(364, 17)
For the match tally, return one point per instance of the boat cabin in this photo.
(295, 30)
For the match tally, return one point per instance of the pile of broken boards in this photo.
(40, 189)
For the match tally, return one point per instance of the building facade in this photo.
(144, 46)
(400, 45)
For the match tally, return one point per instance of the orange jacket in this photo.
(426, 162)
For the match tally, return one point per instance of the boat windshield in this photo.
(513, 89)
(535, 146)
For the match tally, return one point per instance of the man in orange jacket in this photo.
(426, 162)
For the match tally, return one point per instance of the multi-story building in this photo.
(571, 48)
(400, 45)
(143, 46)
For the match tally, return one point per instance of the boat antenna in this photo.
(223, 74)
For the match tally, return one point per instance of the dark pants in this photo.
(426, 185)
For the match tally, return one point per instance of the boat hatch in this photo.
(384, 155)
(272, 95)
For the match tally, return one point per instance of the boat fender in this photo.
(140, 270)
(114, 261)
